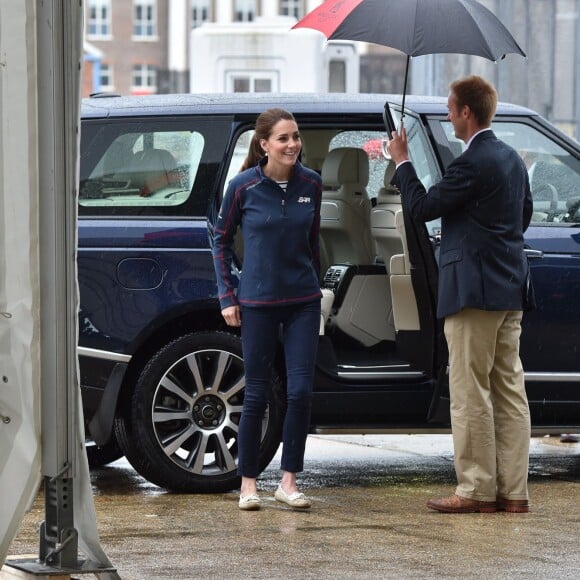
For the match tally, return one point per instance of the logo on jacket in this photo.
(303, 199)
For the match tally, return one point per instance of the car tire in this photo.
(180, 428)
(100, 456)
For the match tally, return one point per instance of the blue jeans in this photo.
(260, 332)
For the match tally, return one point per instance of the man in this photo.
(485, 205)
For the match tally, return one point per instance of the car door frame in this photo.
(426, 348)
(547, 408)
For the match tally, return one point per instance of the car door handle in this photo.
(533, 254)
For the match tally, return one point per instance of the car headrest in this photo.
(345, 165)
(386, 194)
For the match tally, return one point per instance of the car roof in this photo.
(111, 105)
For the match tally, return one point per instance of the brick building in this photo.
(144, 47)
(145, 43)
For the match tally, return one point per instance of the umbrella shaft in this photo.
(404, 90)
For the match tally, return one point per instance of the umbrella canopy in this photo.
(415, 27)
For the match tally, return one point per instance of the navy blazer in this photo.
(485, 205)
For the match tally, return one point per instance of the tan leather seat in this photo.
(327, 299)
(325, 308)
(405, 312)
(345, 210)
(383, 227)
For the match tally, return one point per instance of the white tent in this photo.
(41, 426)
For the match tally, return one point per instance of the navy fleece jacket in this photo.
(281, 261)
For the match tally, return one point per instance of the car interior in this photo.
(366, 280)
(364, 270)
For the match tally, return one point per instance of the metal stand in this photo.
(36, 568)
(58, 536)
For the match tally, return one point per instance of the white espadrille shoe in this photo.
(250, 502)
(296, 500)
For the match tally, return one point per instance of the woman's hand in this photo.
(232, 316)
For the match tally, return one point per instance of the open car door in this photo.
(414, 276)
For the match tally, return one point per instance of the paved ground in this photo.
(368, 520)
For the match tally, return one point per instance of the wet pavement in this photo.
(368, 520)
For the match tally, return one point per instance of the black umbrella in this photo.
(415, 27)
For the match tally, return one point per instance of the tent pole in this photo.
(58, 538)
(59, 46)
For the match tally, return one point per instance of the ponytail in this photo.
(254, 155)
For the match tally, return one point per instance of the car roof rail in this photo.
(103, 95)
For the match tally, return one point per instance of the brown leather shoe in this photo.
(456, 504)
(514, 506)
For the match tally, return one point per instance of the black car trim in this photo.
(101, 423)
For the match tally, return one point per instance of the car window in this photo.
(370, 142)
(421, 154)
(147, 168)
(241, 149)
(554, 173)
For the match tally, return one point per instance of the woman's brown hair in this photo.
(264, 125)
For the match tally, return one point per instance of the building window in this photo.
(99, 18)
(244, 10)
(200, 12)
(145, 18)
(106, 77)
(292, 8)
(252, 82)
(144, 79)
(337, 76)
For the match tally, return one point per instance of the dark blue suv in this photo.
(163, 377)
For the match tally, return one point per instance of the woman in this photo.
(276, 202)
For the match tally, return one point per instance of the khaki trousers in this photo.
(490, 417)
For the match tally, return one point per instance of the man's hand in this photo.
(397, 146)
(232, 316)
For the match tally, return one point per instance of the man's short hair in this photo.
(479, 95)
